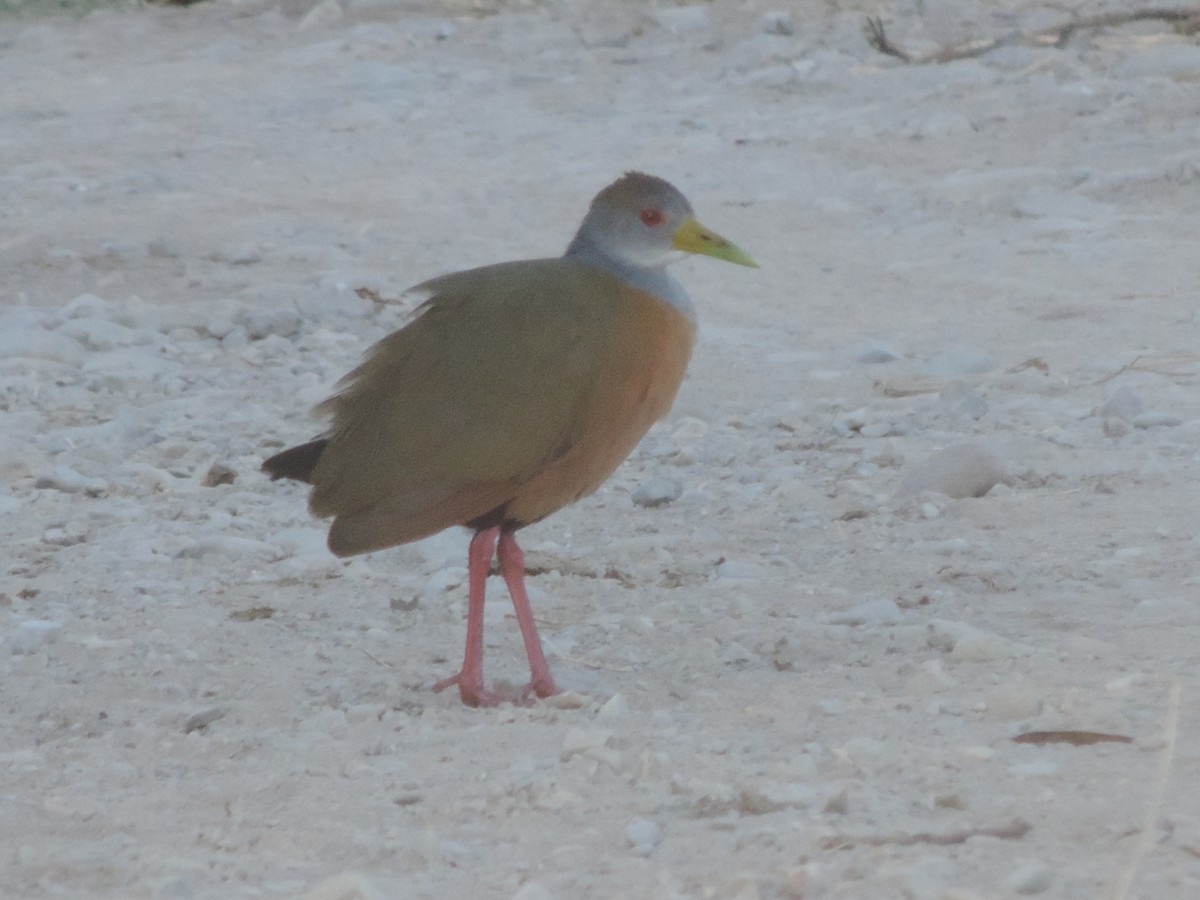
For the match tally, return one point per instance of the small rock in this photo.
(874, 352)
(249, 255)
(443, 581)
(1011, 702)
(929, 510)
(876, 611)
(346, 886)
(929, 678)
(218, 474)
(100, 334)
(616, 707)
(1152, 419)
(202, 720)
(689, 432)
(1031, 878)
(657, 491)
(566, 700)
(31, 635)
(67, 480)
(1123, 403)
(679, 19)
(1042, 768)
(829, 707)
(777, 22)
(966, 643)
(592, 742)
(760, 796)
(960, 399)
(1116, 428)
(982, 646)
(63, 537)
(37, 343)
(958, 471)
(850, 422)
(732, 569)
(643, 835)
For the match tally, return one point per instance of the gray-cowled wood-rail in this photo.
(516, 389)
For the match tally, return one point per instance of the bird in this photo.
(514, 390)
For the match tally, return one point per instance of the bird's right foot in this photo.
(473, 693)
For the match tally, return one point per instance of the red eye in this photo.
(652, 217)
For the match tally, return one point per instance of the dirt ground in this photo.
(802, 677)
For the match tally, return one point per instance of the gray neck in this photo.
(652, 280)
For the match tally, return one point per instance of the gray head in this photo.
(643, 221)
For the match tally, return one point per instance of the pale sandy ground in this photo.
(797, 682)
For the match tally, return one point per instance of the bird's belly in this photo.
(633, 395)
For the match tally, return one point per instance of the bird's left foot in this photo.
(539, 687)
(472, 692)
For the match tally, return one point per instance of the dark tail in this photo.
(296, 462)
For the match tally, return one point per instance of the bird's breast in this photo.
(651, 345)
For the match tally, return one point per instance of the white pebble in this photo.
(533, 890)
(960, 470)
(616, 707)
(929, 678)
(1010, 702)
(260, 321)
(777, 22)
(657, 491)
(762, 795)
(689, 432)
(67, 480)
(960, 399)
(678, 19)
(37, 343)
(982, 646)
(444, 580)
(346, 886)
(876, 611)
(643, 835)
(1031, 878)
(585, 742)
(850, 422)
(1116, 428)
(966, 643)
(102, 335)
(1123, 403)
(735, 570)
(31, 635)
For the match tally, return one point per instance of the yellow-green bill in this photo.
(692, 237)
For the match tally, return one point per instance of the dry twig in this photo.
(1167, 364)
(1184, 21)
(1074, 738)
(1013, 831)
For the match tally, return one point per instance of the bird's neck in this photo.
(652, 279)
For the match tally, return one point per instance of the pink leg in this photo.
(512, 567)
(470, 678)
